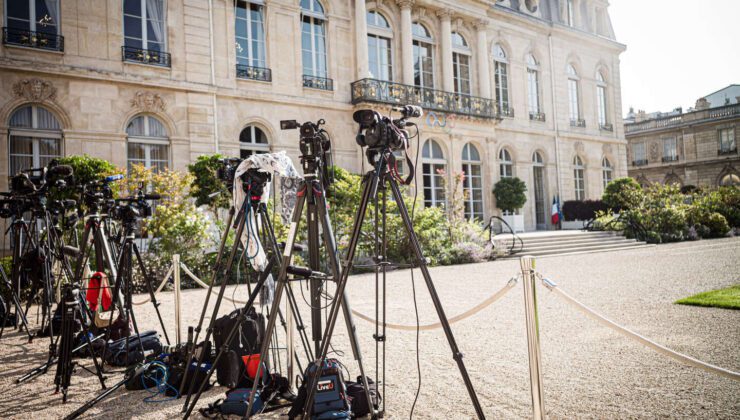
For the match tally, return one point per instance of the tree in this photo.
(509, 194)
(206, 187)
(622, 194)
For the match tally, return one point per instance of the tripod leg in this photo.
(17, 304)
(152, 296)
(456, 354)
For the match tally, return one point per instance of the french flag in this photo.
(555, 211)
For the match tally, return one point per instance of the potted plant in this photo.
(510, 197)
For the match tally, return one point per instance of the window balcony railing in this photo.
(254, 73)
(31, 39)
(606, 127)
(315, 82)
(640, 162)
(138, 55)
(578, 123)
(506, 112)
(385, 92)
(727, 151)
(537, 116)
(670, 159)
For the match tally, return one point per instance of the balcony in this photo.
(674, 121)
(41, 40)
(315, 82)
(537, 116)
(578, 123)
(253, 73)
(384, 92)
(606, 127)
(138, 55)
(667, 159)
(727, 151)
(506, 112)
(640, 162)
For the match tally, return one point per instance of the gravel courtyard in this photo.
(589, 370)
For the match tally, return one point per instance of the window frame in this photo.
(249, 39)
(148, 141)
(468, 163)
(533, 85)
(601, 99)
(505, 163)
(433, 162)
(314, 17)
(380, 33)
(607, 171)
(501, 79)
(458, 76)
(32, 21)
(419, 42)
(731, 140)
(254, 147)
(144, 27)
(579, 178)
(574, 103)
(35, 134)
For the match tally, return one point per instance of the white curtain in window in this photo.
(155, 14)
(53, 7)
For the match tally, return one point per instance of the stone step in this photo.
(567, 241)
(588, 251)
(579, 249)
(583, 244)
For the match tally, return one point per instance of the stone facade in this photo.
(702, 156)
(204, 106)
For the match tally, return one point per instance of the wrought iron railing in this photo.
(253, 73)
(640, 162)
(153, 57)
(606, 127)
(33, 39)
(315, 82)
(506, 112)
(537, 116)
(385, 92)
(727, 151)
(670, 159)
(578, 123)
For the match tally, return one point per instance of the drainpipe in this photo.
(555, 119)
(213, 76)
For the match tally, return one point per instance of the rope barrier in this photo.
(159, 288)
(467, 314)
(553, 287)
(205, 286)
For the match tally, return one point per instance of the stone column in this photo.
(481, 53)
(407, 52)
(448, 82)
(363, 69)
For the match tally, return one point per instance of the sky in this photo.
(677, 50)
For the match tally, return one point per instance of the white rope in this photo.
(467, 314)
(639, 338)
(159, 289)
(205, 286)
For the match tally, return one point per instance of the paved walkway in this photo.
(589, 371)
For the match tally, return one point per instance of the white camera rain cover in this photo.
(279, 165)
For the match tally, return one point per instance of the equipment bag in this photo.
(330, 398)
(356, 393)
(118, 354)
(230, 370)
(195, 374)
(99, 285)
(248, 340)
(56, 323)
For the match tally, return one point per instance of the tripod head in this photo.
(98, 195)
(30, 188)
(315, 147)
(129, 210)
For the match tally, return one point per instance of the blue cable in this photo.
(161, 385)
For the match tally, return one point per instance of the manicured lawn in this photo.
(728, 298)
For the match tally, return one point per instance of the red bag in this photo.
(98, 290)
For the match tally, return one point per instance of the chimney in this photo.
(702, 104)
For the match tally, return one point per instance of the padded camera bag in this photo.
(356, 393)
(247, 341)
(119, 354)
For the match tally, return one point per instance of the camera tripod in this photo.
(18, 306)
(377, 178)
(250, 204)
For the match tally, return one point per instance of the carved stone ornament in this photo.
(578, 146)
(654, 151)
(607, 148)
(35, 90)
(148, 101)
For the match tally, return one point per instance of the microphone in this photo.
(60, 171)
(152, 197)
(112, 178)
(409, 111)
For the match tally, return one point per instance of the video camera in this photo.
(377, 131)
(315, 147)
(131, 209)
(98, 195)
(253, 180)
(38, 180)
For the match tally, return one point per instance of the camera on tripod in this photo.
(377, 131)
(315, 147)
(227, 171)
(253, 180)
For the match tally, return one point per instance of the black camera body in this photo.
(378, 132)
(227, 171)
(315, 147)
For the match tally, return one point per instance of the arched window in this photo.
(533, 87)
(574, 107)
(506, 165)
(148, 143)
(434, 167)
(380, 55)
(578, 177)
(313, 43)
(501, 79)
(35, 138)
(423, 56)
(252, 140)
(250, 34)
(606, 171)
(538, 177)
(461, 64)
(601, 99)
(729, 180)
(537, 159)
(473, 182)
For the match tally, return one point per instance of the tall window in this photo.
(533, 86)
(501, 79)
(423, 56)
(574, 107)
(601, 99)
(606, 171)
(638, 153)
(380, 56)
(570, 13)
(461, 64)
(252, 140)
(144, 25)
(148, 143)
(473, 182)
(313, 38)
(580, 184)
(37, 16)
(35, 138)
(250, 34)
(433, 170)
(506, 166)
(727, 141)
(670, 152)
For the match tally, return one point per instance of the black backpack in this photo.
(330, 398)
(118, 354)
(356, 393)
(248, 340)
